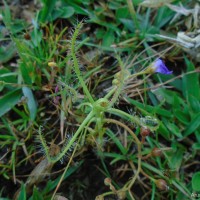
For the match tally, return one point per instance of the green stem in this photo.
(62, 177)
(115, 111)
(81, 127)
(121, 83)
(110, 93)
(153, 191)
(139, 146)
(138, 74)
(105, 194)
(76, 65)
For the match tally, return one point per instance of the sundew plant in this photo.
(94, 103)
(96, 117)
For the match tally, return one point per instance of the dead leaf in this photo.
(196, 16)
(180, 9)
(58, 197)
(155, 3)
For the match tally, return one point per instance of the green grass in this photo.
(83, 117)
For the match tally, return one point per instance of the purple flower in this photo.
(56, 98)
(57, 89)
(159, 67)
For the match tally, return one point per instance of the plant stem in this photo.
(110, 93)
(81, 127)
(76, 65)
(115, 111)
(107, 120)
(140, 73)
(121, 83)
(62, 177)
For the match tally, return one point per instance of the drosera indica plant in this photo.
(97, 108)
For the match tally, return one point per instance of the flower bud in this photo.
(54, 149)
(107, 181)
(117, 75)
(27, 36)
(156, 152)
(121, 195)
(115, 82)
(100, 197)
(144, 131)
(161, 184)
(52, 64)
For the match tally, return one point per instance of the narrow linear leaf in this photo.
(191, 82)
(196, 181)
(67, 12)
(108, 38)
(162, 130)
(194, 103)
(151, 109)
(196, 146)
(116, 141)
(52, 184)
(6, 53)
(36, 194)
(32, 106)
(9, 100)
(22, 194)
(197, 134)
(46, 11)
(194, 124)
(155, 3)
(174, 129)
(181, 116)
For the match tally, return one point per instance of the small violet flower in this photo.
(56, 98)
(158, 66)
